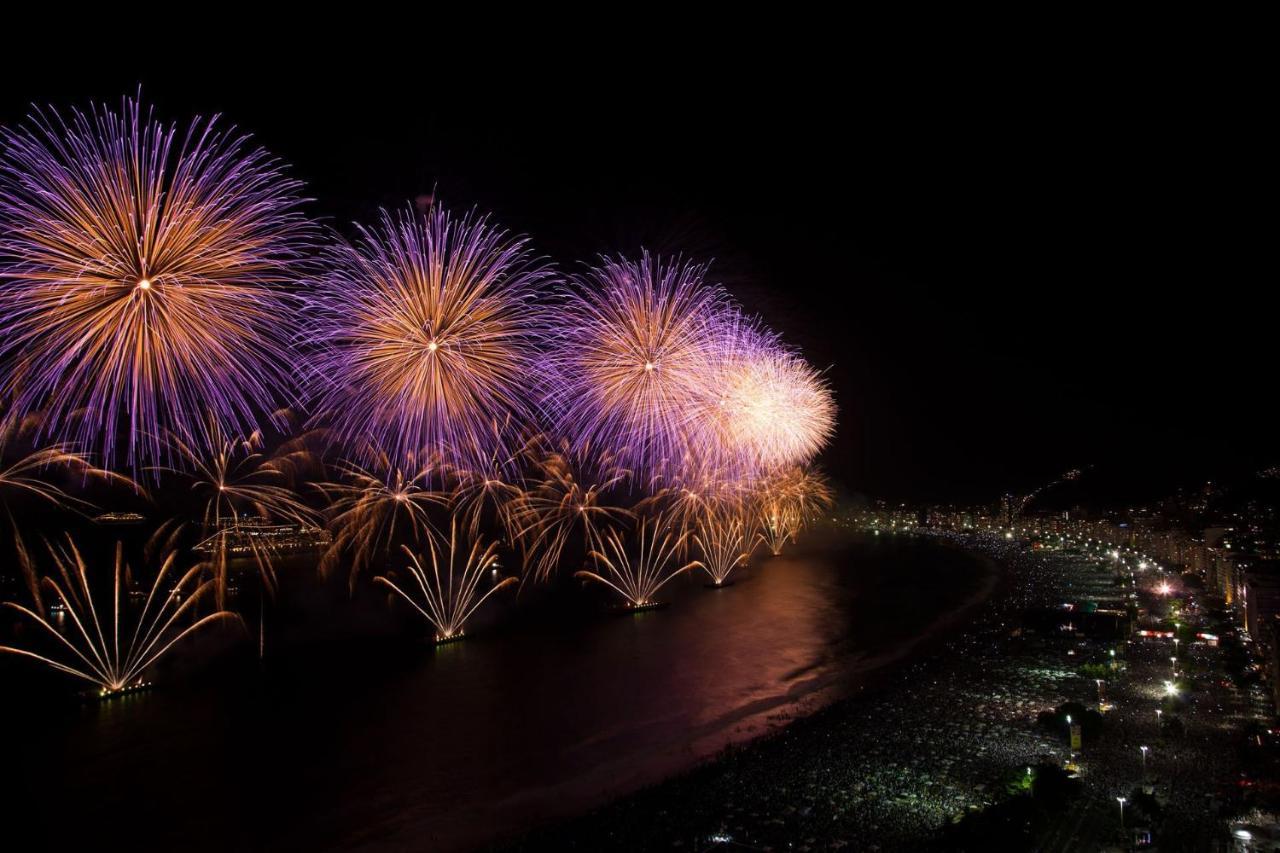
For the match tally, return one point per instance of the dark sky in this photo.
(1008, 270)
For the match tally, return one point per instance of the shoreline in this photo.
(938, 755)
(873, 675)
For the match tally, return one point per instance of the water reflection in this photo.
(549, 709)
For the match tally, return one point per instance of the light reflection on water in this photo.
(531, 718)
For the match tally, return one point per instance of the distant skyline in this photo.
(1005, 276)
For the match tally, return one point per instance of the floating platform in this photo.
(629, 608)
(104, 694)
(444, 641)
(120, 518)
(722, 585)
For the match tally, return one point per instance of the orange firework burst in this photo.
(143, 278)
(425, 335)
(372, 505)
(693, 489)
(788, 502)
(238, 479)
(485, 494)
(559, 509)
(239, 486)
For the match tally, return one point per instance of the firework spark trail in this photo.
(425, 333)
(559, 509)
(721, 537)
(638, 578)
(788, 502)
(143, 279)
(479, 495)
(104, 657)
(371, 505)
(630, 368)
(449, 599)
(29, 475)
(236, 478)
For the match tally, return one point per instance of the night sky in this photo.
(1006, 272)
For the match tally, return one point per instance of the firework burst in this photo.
(789, 501)
(143, 279)
(638, 577)
(560, 509)
(450, 592)
(631, 366)
(111, 654)
(766, 409)
(236, 479)
(425, 333)
(371, 506)
(238, 485)
(484, 495)
(694, 490)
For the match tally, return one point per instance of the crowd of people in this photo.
(946, 737)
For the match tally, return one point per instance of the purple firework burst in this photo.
(143, 279)
(630, 361)
(425, 333)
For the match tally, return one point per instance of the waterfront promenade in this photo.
(919, 759)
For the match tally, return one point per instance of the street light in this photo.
(1144, 761)
(1121, 801)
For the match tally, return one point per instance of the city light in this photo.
(476, 508)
